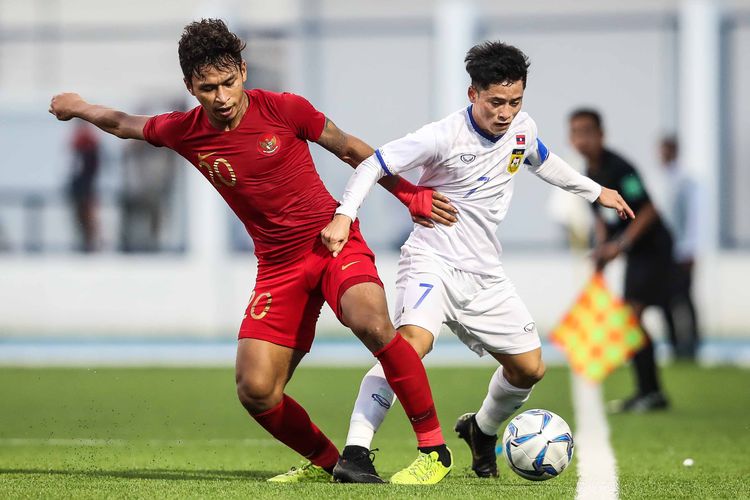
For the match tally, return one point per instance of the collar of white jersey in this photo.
(479, 131)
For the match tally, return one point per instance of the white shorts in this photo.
(485, 312)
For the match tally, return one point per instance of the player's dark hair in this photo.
(208, 43)
(491, 63)
(589, 113)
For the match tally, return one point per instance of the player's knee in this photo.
(531, 375)
(421, 340)
(374, 329)
(527, 375)
(257, 394)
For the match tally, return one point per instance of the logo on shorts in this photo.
(269, 144)
(381, 401)
(529, 328)
(467, 158)
(345, 266)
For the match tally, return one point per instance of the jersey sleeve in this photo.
(557, 172)
(306, 121)
(537, 155)
(162, 130)
(417, 149)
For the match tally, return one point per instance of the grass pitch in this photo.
(169, 433)
(709, 421)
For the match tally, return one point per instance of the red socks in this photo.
(406, 376)
(289, 423)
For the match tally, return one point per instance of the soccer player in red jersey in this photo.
(252, 147)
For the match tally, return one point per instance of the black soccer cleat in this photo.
(640, 403)
(355, 465)
(483, 456)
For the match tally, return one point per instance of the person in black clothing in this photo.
(645, 240)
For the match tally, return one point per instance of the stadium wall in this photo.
(180, 296)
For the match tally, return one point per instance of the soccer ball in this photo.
(538, 445)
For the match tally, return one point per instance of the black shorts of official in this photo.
(648, 278)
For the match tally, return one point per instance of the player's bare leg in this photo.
(262, 372)
(364, 310)
(509, 388)
(420, 339)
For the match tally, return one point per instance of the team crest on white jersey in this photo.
(468, 158)
(516, 157)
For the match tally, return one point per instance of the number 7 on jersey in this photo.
(483, 181)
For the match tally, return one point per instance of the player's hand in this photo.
(336, 233)
(442, 211)
(611, 199)
(439, 209)
(63, 105)
(605, 253)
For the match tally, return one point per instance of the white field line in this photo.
(597, 468)
(76, 442)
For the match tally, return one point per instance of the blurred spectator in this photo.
(4, 244)
(148, 177)
(82, 184)
(645, 240)
(680, 208)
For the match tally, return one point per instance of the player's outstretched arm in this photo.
(70, 105)
(425, 205)
(348, 148)
(612, 199)
(557, 172)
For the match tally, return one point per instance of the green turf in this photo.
(709, 422)
(169, 433)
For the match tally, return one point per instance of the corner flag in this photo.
(599, 333)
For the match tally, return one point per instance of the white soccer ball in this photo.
(538, 445)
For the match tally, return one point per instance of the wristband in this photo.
(417, 199)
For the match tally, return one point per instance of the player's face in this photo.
(220, 92)
(496, 106)
(586, 137)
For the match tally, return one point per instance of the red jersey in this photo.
(262, 168)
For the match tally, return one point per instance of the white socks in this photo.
(374, 400)
(502, 400)
(376, 397)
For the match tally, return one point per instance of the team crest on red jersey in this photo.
(269, 144)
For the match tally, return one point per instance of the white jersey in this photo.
(475, 171)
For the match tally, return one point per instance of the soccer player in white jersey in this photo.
(452, 275)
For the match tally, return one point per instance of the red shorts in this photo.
(285, 304)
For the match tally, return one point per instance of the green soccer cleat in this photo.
(426, 469)
(307, 473)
